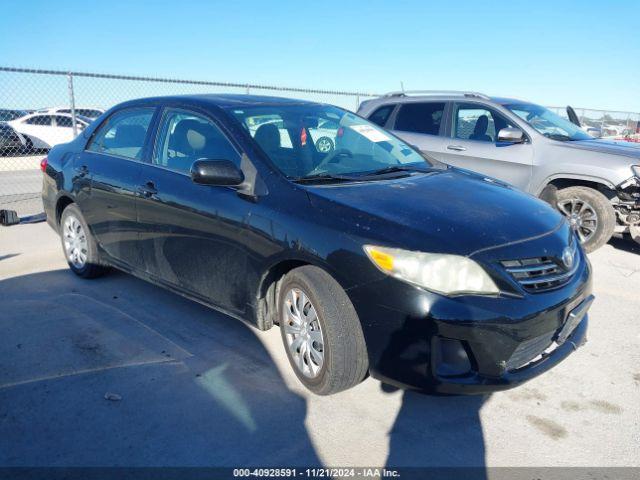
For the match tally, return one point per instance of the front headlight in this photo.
(441, 273)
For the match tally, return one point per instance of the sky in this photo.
(581, 53)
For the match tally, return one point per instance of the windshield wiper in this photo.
(324, 177)
(363, 176)
(559, 136)
(397, 168)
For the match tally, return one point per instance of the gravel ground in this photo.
(116, 371)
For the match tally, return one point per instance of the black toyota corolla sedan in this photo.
(370, 257)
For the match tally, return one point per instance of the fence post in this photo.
(72, 104)
(247, 89)
(357, 102)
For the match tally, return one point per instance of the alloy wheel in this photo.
(324, 145)
(581, 216)
(76, 247)
(303, 333)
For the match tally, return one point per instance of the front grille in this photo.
(542, 273)
(529, 351)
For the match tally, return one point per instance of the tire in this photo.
(583, 205)
(72, 228)
(325, 145)
(345, 361)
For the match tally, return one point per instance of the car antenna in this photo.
(402, 86)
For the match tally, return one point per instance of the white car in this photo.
(89, 112)
(44, 130)
(324, 135)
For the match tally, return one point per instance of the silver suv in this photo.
(595, 183)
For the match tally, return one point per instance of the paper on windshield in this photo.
(370, 133)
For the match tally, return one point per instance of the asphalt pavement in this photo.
(115, 371)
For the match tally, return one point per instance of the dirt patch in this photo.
(606, 407)
(569, 406)
(527, 394)
(550, 428)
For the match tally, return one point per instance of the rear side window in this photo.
(381, 115)
(42, 120)
(420, 117)
(123, 134)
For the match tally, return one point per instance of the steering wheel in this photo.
(340, 152)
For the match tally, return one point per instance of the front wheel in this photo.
(79, 247)
(589, 213)
(321, 331)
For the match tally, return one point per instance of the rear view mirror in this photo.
(216, 172)
(511, 135)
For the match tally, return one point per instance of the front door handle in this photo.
(147, 190)
(456, 148)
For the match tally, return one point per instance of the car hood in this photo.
(613, 147)
(447, 211)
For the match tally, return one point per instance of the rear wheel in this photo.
(589, 213)
(321, 331)
(78, 244)
(28, 146)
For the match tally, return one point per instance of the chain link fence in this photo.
(42, 108)
(607, 124)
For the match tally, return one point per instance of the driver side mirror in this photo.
(216, 172)
(511, 135)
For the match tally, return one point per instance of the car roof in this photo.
(223, 100)
(444, 98)
(57, 109)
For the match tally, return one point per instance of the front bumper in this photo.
(405, 326)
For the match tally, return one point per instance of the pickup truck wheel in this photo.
(589, 213)
(321, 331)
(78, 244)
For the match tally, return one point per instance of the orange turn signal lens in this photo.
(381, 259)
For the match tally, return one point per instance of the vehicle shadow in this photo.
(442, 433)
(626, 244)
(118, 372)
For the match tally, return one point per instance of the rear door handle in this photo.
(147, 190)
(456, 148)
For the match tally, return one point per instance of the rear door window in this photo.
(420, 117)
(123, 134)
(62, 121)
(41, 120)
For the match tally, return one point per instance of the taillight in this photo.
(43, 164)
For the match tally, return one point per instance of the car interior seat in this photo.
(480, 130)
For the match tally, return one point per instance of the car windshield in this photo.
(548, 123)
(314, 141)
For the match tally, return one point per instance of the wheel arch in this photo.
(268, 289)
(63, 202)
(554, 183)
(268, 286)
